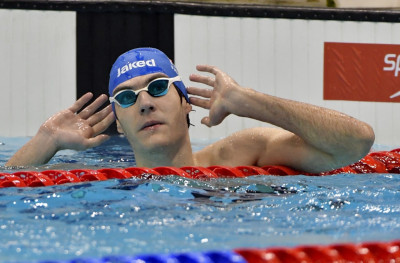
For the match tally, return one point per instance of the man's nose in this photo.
(145, 101)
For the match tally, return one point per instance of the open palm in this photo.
(78, 131)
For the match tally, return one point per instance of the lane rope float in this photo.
(371, 252)
(374, 162)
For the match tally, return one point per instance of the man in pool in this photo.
(155, 122)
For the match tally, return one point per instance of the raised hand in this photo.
(67, 129)
(79, 131)
(218, 99)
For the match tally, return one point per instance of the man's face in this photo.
(152, 122)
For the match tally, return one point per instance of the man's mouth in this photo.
(150, 125)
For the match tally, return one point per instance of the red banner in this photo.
(362, 72)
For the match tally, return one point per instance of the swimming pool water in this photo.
(172, 214)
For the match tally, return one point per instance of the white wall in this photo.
(37, 68)
(281, 57)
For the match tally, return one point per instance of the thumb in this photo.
(206, 121)
(215, 119)
(97, 140)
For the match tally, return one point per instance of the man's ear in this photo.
(188, 107)
(119, 127)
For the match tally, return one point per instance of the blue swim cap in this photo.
(139, 62)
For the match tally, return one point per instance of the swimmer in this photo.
(151, 106)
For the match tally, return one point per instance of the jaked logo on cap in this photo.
(136, 64)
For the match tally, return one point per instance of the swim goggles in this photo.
(156, 88)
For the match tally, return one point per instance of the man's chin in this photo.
(153, 144)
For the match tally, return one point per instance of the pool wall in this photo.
(279, 51)
(37, 67)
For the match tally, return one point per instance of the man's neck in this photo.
(165, 156)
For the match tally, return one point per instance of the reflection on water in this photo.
(174, 214)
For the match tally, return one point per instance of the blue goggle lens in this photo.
(156, 88)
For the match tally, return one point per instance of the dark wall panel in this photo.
(102, 37)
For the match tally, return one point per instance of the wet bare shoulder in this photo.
(240, 148)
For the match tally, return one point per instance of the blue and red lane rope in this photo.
(371, 252)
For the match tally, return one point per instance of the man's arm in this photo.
(314, 138)
(67, 129)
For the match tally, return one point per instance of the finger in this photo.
(208, 68)
(206, 93)
(89, 110)
(81, 102)
(210, 81)
(99, 116)
(103, 124)
(206, 121)
(205, 104)
(211, 121)
(96, 141)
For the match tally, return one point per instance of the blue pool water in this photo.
(172, 214)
